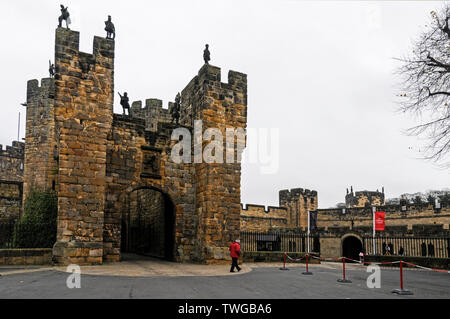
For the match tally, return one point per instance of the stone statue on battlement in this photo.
(65, 16)
(207, 55)
(176, 109)
(110, 29)
(125, 102)
(51, 69)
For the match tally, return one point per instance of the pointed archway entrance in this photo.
(148, 225)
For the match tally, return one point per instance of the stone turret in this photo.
(41, 166)
(218, 185)
(298, 202)
(364, 198)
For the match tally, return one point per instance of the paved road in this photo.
(260, 283)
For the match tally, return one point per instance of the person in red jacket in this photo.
(235, 252)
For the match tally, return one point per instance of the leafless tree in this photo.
(425, 75)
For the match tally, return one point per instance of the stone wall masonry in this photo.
(219, 105)
(10, 200)
(41, 167)
(11, 162)
(129, 144)
(413, 216)
(256, 218)
(28, 256)
(153, 113)
(84, 86)
(11, 180)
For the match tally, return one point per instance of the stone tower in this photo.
(298, 202)
(83, 102)
(217, 185)
(40, 167)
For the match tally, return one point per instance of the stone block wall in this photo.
(153, 113)
(12, 161)
(11, 181)
(41, 166)
(256, 218)
(84, 86)
(410, 220)
(10, 200)
(26, 256)
(140, 159)
(217, 185)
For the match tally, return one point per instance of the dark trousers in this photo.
(234, 264)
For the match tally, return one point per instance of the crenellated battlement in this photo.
(260, 218)
(39, 96)
(295, 193)
(270, 210)
(153, 113)
(364, 198)
(11, 164)
(67, 46)
(16, 150)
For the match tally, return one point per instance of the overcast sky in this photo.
(321, 72)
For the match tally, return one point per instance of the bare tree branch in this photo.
(425, 75)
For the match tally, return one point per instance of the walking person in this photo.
(235, 253)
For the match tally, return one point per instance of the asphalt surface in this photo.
(260, 283)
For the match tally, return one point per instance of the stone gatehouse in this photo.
(113, 173)
(118, 188)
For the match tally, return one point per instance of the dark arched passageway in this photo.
(351, 247)
(148, 226)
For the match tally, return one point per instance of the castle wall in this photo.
(10, 200)
(128, 169)
(11, 181)
(397, 221)
(11, 162)
(255, 218)
(84, 86)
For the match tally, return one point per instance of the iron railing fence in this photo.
(437, 247)
(27, 235)
(279, 242)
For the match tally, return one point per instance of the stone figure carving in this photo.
(110, 29)
(176, 109)
(125, 102)
(151, 163)
(51, 69)
(207, 55)
(65, 16)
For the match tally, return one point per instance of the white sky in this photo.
(321, 72)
